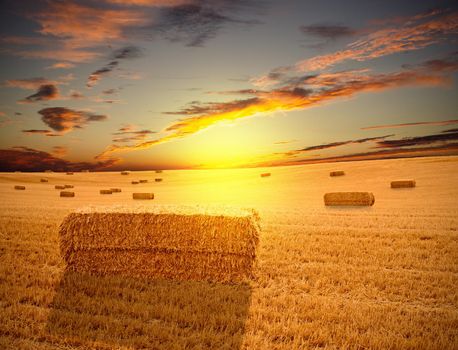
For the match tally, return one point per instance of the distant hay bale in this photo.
(48, 171)
(349, 199)
(115, 190)
(180, 243)
(69, 173)
(124, 173)
(403, 184)
(143, 181)
(337, 173)
(134, 182)
(106, 191)
(59, 187)
(43, 180)
(158, 171)
(265, 174)
(143, 195)
(67, 194)
(158, 180)
(18, 187)
(85, 171)
(69, 186)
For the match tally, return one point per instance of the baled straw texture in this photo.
(337, 173)
(106, 192)
(349, 199)
(69, 173)
(59, 187)
(143, 195)
(403, 184)
(18, 187)
(134, 182)
(143, 181)
(115, 190)
(186, 243)
(265, 174)
(68, 186)
(124, 173)
(67, 194)
(158, 171)
(43, 180)
(158, 180)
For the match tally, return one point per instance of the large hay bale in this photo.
(106, 191)
(124, 173)
(59, 187)
(403, 184)
(134, 182)
(67, 194)
(158, 171)
(158, 180)
(143, 195)
(349, 199)
(265, 174)
(143, 181)
(115, 190)
(69, 173)
(185, 243)
(69, 186)
(18, 187)
(43, 180)
(337, 173)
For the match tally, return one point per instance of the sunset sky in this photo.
(144, 84)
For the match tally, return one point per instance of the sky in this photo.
(190, 84)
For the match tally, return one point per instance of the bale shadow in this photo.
(115, 311)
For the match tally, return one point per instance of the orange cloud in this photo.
(61, 65)
(153, 3)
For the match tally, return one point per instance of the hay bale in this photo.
(143, 181)
(158, 171)
(69, 173)
(181, 243)
(265, 174)
(69, 186)
(43, 180)
(158, 180)
(403, 184)
(337, 173)
(115, 190)
(142, 195)
(124, 173)
(67, 194)
(85, 171)
(134, 182)
(106, 191)
(59, 187)
(349, 199)
(18, 187)
(48, 171)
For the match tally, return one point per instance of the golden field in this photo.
(381, 277)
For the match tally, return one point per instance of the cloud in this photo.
(343, 143)
(95, 76)
(152, 3)
(128, 133)
(450, 130)
(39, 132)
(29, 159)
(30, 84)
(418, 140)
(402, 125)
(200, 116)
(63, 119)
(59, 151)
(61, 65)
(327, 31)
(44, 93)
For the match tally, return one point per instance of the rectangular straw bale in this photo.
(106, 191)
(124, 173)
(18, 187)
(43, 180)
(85, 171)
(158, 171)
(115, 190)
(134, 182)
(67, 194)
(265, 174)
(158, 180)
(214, 244)
(337, 173)
(403, 184)
(69, 186)
(143, 195)
(69, 173)
(59, 187)
(349, 199)
(143, 181)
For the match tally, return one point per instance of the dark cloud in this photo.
(127, 52)
(327, 31)
(450, 130)
(389, 126)
(44, 93)
(418, 140)
(95, 76)
(128, 134)
(17, 113)
(40, 132)
(109, 91)
(29, 159)
(63, 119)
(341, 143)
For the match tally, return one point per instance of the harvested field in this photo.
(403, 184)
(378, 277)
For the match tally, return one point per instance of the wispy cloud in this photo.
(418, 140)
(61, 65)
(129, 133)
(402, 125)
(63, 120)
(44, 132)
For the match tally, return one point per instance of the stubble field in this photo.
(381, 277)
